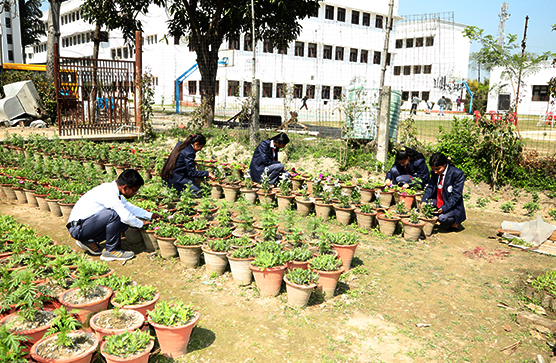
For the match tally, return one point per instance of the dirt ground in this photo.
(379, 309)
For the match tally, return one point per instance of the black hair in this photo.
(281, 138)
(131, 178)
(170, 163)
(439, 159)
(407, 152)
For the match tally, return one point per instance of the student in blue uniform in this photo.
(445, 191)
(409, 168)
(180, 169)
(266, 156)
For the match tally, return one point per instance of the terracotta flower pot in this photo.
(41, 201)
(408, 200)
(386, 198)
(215, 261)
(298, 295)
(304, 206)
(189, 255)
(387, 226)
(173, 340)
(297, 264)
(231, 192)
(33, 335)
(20, 196)
(323, 210)
(66, 208)
(367, 195)
(284, 202)
(83, 357)
(30, 195)
(151, 244)
(343, 215)
(328, 280)
(268, 280)
(216, 191)
(135, 317)
(365, 220)
(140, 308)
(297, 183)
(346, 253)
(10, 194)
(429, 225)
(250, 195)
(241, 273)
(266, 197)
(166, 245)
(54, 207)
(412, 232)
(142, 357)
(85, 311)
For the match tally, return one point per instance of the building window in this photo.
(312, 50)
(378, 21)
(126, 53)
(376, 58)
(72, 16)
(298, 91)
(8, 22)
(427, 69)
(419, 42)
(9, 39)
(399, 43)
(406, 70)
(405, 96)
(299, 48)
(341, 14)
(329, 12)
(267, 47)
(353, 55)
(233, 88)
(233, 43)
(119, 53)
(337, 93)
(327, 52)
(416, 69)
(11, 55)
(247, 46)
(325, 93)
(366, 19)
(283, 49)
(364, 56)
(425, 95)
(414, 94)
(280, 90)
(354, 17)
(409, 43)
(430, 41)
(192, 87)
(397, 70)
(246, 89)
(340, 53)
(267, 90)
(311, 91)
(113, 53)
(540, 93)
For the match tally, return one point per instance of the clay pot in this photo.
(328, 280)
(151, 244)
(41, 201)
(166, 245)
(367, 195)
(33, 335)
(284, 202)
(84, 357)
(30, 195)
(189, 255)
(386, 198)
(429, 225)
(85, 311)
(140, 308)
(54, 207)
(266, 197)
(215, 261)
(216, 191)
(101, 332)
(142, 357)
(10, 194)
(298, 295)
(241, 273)
(346, 253)
(268, 280)
(231, 192)
(66, 208)
(297, 183)
(20, 196)
(173, 340)
(250, 195)
(297, 264)
(304, 207)
(343, 215)
(408, 200)
(365, 220)
(387, 226)
(133, 236)
(323, 210)
(412, 232)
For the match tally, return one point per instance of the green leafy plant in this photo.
(325, 263)
(265, 181)
(531, 208)
(243, 252)
(401, 208)
(507, 207)
(285, 185)
(11, 349)
(241, 241)
(115, 282)
(127, 343)
(63, 324)
(482, 202)
(247, 181)
(134, 294)
(414, 216)
(428, 210)
(176, 314)
(196, 225)
(190, 240)
(266, 259)
(218, 232)
(344, 200)
(341, 238)
(219, 245)
(300, 254)
(303, 277)
(552, 214)
(535, 197)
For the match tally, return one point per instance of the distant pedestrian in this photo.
(414, 104)
(304, 100)
(458, 103)
(429, 107)
(442, 105)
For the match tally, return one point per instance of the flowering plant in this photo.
(265, 181)
(304, 192)
(344, 199)
(247, 181)
(285, 184)
(326, 194)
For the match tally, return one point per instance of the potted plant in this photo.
(300, 284)
(196, 227)
(412, 226)
(344, 209)
(407, 196)
(173, 324)
(20, 196)
(304, 202)
(401, 210)
(67, 202)
(345, 244)
(269, 226)
(240, 259)
(329, 268)
(217, 232)
(385, 194)
(367, 192)
(266, 195)
(285, 197)
(63, 343)
(141, 298)
(189, 249)
(324, 206)
(365, 216)
(130, 346)
(115, 321)
(11, 346)
(245, 221)
(249, 193)
(297, 181)
(387, 222)
(429, 218)
(29, 190)
(268, 268)
(231, 187)
(216, 191)
(148, 232)
(166, 234)
(215, 256)
(52, 200)
(298, 257)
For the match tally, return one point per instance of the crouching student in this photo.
(409, 168)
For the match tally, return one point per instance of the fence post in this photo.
(383, 125)
(138, 80)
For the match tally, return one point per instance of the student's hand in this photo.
(155, 216)
(405, 186)
(387, 182)
(440, 210)
(211, 176)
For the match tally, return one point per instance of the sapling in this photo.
(266, 259)
(285, 184)
(300, 254)
(401, 208)
(300, 276)
(243, 252)
(325, 263)
(127, 343)
(219, 245)
(507, 207)
(190, 240)
(115, 282)
(366, 208)
(63, 324)
(269, 224)
(134, 294)
(11, 347)
(218, 232)
(240, 241)
(176, 314)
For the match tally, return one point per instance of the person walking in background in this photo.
(266, 157)
(414, 104)
(445, 191)
(458, 103)
(441, 105)
(304, 100)
(429, 107)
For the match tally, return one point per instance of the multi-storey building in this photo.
(10, 36)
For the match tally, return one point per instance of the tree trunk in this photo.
(93, 95)
(207, 60)
(53, 35)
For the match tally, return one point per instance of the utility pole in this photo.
(523, 45)
(254, 124)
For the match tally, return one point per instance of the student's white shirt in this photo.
(440, 186)
(107, 196)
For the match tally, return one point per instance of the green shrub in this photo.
(552, 214)
(531, 208)
(300, 276)
(167, 314)
(127, 343)
(507, 207)
(482, 202)
(325, 263)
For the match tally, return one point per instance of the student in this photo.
(266, 156)
(445, 191)
(410, 168)
(103, 213)
(179, 169)
(441, 106)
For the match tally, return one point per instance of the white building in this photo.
(345, 39)
(10, 36)
(533, 92)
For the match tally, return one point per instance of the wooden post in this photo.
(138, 98)
(57, 87)
(383, 125)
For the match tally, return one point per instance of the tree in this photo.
(480, 94)
(207, 23)
(30, 24)
(53, 35)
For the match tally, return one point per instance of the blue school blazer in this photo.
(185, 167)
(262, 157)
(416, 169)
(452, 192)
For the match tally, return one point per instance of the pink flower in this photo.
(321, 176)
(21, 182)
(156, 228)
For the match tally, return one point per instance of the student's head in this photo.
(129, 182)
(438, 163)
(406, 154)
(280, 140)
(444, 97)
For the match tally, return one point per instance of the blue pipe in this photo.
(471, 94)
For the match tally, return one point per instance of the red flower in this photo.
(133, 151)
